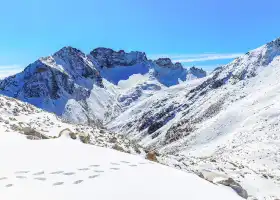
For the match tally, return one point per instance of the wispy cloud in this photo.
(8, 70)
(188, 58)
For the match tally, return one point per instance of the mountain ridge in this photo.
(226, 123)
(67, 79)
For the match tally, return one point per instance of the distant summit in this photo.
(109, 58)
(84, 88)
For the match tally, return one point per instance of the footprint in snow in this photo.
(83, 169)
(94, 165)
(143, 163)
(93, 176)
(114, 168)
(78, 181)
(21, 177)
(40, 178)
(58, 183)
(133, 165)
(3, 178)
(114, 163)
(99, 171)
(69, 173)
(9, 185)
(39, 173)
(57, 172)
(123, 161)
(21, 172)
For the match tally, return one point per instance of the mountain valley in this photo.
(220, 126)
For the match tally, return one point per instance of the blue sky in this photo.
(196, 32)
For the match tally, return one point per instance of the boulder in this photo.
(222, 179)
(234, 185)
(152, 156)
(32, 132)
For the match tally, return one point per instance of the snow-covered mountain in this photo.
(70, 82)
(226, 123)
(221, 125)
(184, 106)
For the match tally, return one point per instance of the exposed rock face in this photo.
(216, 178)
(49, 82)
(266, 56)
(136, 93)
(66, 72)
(39, 81)
(166, 62)
(109, 58)
(33, 134)
(78, 65)
(197, 72)
(152, 156)
(235, 186)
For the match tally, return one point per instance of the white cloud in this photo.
(8, 70)
(188, 58)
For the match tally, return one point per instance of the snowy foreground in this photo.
(67, 169)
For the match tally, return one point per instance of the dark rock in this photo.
(109, 58)
(152, 156)
(235, 186)
(33, 133)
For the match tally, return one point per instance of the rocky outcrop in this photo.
(109, 58)
(152, 156)
(166, 62)
(234, 185)
(33, 134)
(51, 81)
(221, 179)
(66, 72)
(77, 64)
(197, 72)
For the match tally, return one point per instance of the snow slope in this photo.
(35, 170)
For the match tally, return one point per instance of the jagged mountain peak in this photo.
(109, 51)
(68, 50)
(109, 58)
(163, 61)
(197, 72)
(261, 56)
(178, 64)
(275, 42)
(166, 62)
(243, 67)
(235, 75)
